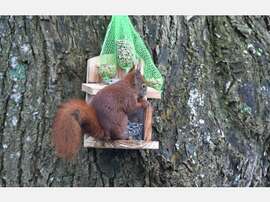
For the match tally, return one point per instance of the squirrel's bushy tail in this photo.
(73, 118)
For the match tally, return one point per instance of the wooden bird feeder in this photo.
(92, 86)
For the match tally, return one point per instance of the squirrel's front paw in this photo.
(145, 103)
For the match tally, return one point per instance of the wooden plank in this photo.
(148, 123)
(93, 88)
(92, 70)
(153, 93)
(120, 144)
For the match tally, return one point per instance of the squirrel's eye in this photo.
(144, 86)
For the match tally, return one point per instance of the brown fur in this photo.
(71, 120)
(104, 118)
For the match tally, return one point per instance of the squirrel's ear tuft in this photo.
(138, 74)
(139, 66)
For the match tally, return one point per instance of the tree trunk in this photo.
(213, 121)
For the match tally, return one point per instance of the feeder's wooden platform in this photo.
(93, 88)
(120, 144)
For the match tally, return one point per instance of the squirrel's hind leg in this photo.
(107, 135)
(120, 132)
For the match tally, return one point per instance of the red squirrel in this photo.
(105, 117)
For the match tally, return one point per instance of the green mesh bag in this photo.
(122, 47)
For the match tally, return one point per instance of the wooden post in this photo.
(92, 70)
(92, 74)
(121, 73)
(148, 123)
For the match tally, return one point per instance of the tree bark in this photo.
(212, 122)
